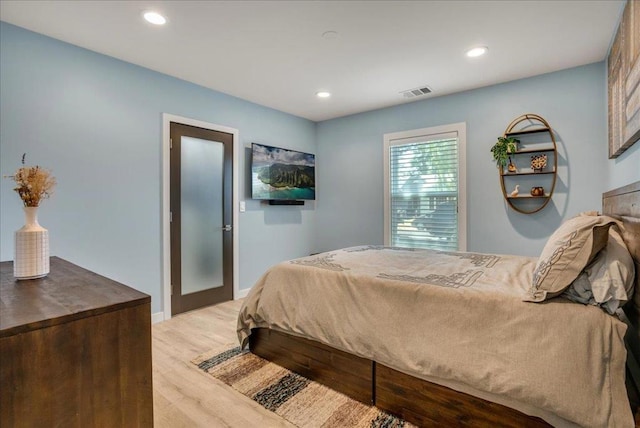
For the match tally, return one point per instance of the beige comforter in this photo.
(456, 319)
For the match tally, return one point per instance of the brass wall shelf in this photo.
(505, 174)
(525, 126)
(550, 149)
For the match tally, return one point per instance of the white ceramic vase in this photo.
(31, 257)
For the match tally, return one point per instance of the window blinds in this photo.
(423, 188)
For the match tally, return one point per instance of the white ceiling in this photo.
(273, 53)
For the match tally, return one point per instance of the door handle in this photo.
(227, 228)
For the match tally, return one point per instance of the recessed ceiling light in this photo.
(155, 18)
(330, 34)
(323, 94)
(477, 51)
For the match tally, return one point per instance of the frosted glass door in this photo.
(201, 198)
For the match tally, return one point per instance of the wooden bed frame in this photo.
(624, 204)
(425, 403)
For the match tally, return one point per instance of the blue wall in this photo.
(97, 123)
(572, 101)
(624, 169)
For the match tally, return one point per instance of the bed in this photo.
(446, 338)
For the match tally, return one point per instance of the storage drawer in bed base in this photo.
(342, 372)
(415, 400)
(427, 404)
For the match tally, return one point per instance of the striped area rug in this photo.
(300, 401)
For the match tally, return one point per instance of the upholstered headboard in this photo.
(624, 204)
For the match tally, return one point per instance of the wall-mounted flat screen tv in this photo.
(281, 174)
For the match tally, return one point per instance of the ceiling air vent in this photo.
(417, 92)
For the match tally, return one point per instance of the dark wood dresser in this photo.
(75, 351)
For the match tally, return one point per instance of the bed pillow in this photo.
(608, 281)
(569, 250)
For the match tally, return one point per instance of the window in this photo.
(424, 197)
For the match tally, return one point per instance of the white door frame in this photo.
(165, 215)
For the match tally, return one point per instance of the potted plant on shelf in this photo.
(502, 149)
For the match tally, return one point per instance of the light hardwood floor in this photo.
(185, 396)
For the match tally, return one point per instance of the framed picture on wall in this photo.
(624, 82)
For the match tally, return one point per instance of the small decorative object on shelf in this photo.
(31, 250)
(527, 135)
(537, 191)
(538, 162)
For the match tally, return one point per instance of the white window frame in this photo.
(422, 135)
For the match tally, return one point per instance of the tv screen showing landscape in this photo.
(281, 174)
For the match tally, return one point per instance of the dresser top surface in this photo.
(67, 293)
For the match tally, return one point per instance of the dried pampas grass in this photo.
(33, 184)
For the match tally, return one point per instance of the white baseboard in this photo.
(242, 293)
(157, 317)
